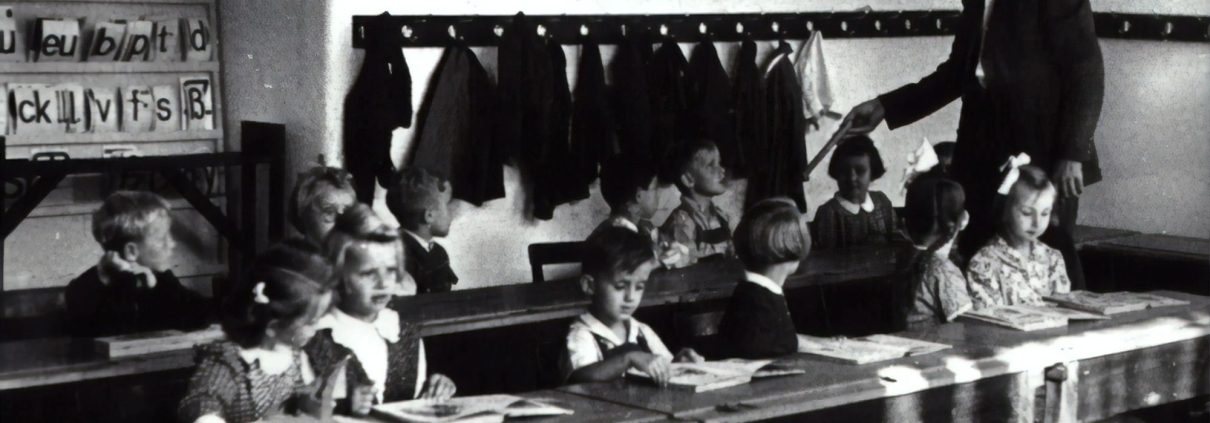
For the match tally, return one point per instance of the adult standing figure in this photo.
(1031, 79)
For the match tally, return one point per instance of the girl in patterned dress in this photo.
(1014, 267)
(936, 290)
(386, 360)
(259, 370)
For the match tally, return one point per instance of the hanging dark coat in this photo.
(785, 153)
(379, 101)
(535, 107)
(749, 110)
(593, 136)
(670, 119)
(631, 106)
(455, 138)
(712, 105)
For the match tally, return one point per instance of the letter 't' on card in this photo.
(103, 109)
(107, 41)
(167, 108)
(58, 40)
(198, 104)
(198, 40)
(69, 98)
(12, 43)
(136, 109)
(138, 46)
(34, 110)
(167, 40)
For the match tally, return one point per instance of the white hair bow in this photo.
(258, 293)
(919, 162)
(1013, 166)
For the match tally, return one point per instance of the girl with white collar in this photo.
(386, 360)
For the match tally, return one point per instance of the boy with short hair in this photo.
(605, 342)
(631, 189)
(420, 202)
(132, 289)
(698, 223)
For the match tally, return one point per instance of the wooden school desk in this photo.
(40, 362)
(1132, 361)
(586, 411)
(1149, 261)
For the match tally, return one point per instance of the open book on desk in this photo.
(1095, 302)
(711, 375)
(867, 349)
(476, 409)
(1020, 317)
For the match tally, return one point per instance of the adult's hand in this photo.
(865, 117)
(1069, 178)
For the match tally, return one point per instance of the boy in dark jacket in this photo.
(420, 202)
(131, 288)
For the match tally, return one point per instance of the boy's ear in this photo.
(687, 179)
(430, 216)
(964, 220)
(586, 284)
(130, 252)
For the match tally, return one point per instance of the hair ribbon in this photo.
(258, 293)
(1013, 167)
(919, 162)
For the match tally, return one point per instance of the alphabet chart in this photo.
(108, 79)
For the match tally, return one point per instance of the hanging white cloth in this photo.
(818, 99)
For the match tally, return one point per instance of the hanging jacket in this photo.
(631, 106)
(749, 111)
(379, 101)
(670, 120)
(455, 138)
(534, 113)
(593, 136)
(712, 105)
(784, 155)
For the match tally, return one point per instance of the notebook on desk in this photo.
(868, 349)
(476, 409)
(711, 375)
(1019, 317)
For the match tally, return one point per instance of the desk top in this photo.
(497, 306)
(1084, 234)
(50, 361)
(586, 411)
(1161, 246)
(979, 352)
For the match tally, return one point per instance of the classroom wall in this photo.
(292, 62)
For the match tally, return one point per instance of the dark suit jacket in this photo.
(1044, 86)
(95, 309)
(757, 324)
(430, 269)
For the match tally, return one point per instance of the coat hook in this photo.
(1124, 28)
(663, 30)
(739, 27)
(406, 31)
(361, 29)
(810, 26)
(623, 30)
(1168, 28)
(907, 24)
(498, 30)
(775, 27)
(452, 31)
(878, 25)
(939, 24)
(844, 26)
(701, 28)
(541, 30)
(584, 30)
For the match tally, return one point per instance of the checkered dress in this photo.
(224, 385)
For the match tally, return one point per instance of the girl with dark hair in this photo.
(855, 215)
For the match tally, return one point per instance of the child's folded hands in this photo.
(439, 387)
(688, 355)
(658, 367)
(112, 264)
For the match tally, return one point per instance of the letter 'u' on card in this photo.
(138, 46)
(103, 109)
(197, 103)
(167, 108)
(107, 41)
(12, 41)
(136, 109)
(58, 40)
(198, 40)
(34, 110)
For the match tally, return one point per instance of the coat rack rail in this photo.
(485, 30)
